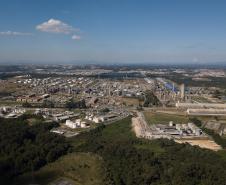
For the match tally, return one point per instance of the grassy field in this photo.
(120, 130)
(11, 87)
(155, 118)
(208, 118)
(8, 103)
(76, 168)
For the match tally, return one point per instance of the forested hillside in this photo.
(111, 150)
(25, 148)
(130, 161)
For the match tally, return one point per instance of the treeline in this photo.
(44, 104)
(151, 100)
(4, 94)
(130, 161)
(216, 137)
(25, 148)
(72, 104)
(5, 76)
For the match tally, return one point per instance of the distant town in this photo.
(81, 98)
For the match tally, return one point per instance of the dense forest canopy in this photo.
(76, 104)
(130, 161)
(151, 100)
(127, 160)
(25, 148)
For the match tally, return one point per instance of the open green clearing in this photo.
(77, 168)
(155, 118)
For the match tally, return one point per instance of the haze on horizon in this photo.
(108, 32)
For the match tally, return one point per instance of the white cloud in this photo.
(76, 37)
(56, 26)
(14, 33)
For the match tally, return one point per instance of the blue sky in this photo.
(112, 31)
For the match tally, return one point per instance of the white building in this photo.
(207, 112)
(83, 124)
(77, 124)
(201, 105)
(97, 119)
(71, 124)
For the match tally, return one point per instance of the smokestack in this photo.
(182, 91)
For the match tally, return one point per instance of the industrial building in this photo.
(77, 124)
(201, 105)
(207, 112)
